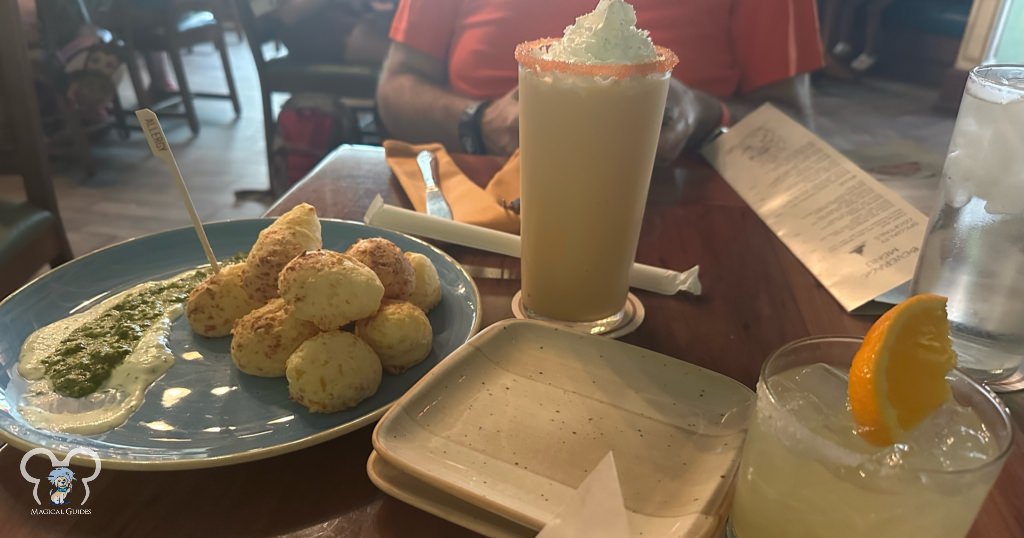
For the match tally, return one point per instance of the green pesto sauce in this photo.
(86, 357)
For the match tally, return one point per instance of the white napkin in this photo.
(595, 510)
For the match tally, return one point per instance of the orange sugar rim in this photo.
(527, 57)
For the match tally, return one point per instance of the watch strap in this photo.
(471, 134)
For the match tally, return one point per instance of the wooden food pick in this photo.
(162, 150)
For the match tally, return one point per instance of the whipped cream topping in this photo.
(607, 35)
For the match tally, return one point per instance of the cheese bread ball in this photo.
(264, 338)
(427, 291)
(385, 258)
(332, 371)
(215, 304)
(400, 334)
(300, 216)
(330, 289)
(290, 235)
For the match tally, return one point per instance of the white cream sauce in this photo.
(115, 400)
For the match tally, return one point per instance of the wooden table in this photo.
(757, 296)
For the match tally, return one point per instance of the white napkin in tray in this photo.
(597, 508)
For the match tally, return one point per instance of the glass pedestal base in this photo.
(619, 324)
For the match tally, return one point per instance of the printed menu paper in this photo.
(857, 237)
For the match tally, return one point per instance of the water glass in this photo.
(973, 252)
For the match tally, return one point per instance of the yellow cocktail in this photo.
(806, 472)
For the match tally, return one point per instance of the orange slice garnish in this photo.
(898, 376)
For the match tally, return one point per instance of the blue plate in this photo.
(203, 412)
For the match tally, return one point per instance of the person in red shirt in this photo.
(451, 77)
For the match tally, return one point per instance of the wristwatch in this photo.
(471, 134)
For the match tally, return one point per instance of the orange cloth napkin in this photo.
(470, 203)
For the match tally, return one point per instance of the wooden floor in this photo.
(132, 194)
(874, 113)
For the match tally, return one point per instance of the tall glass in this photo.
(805, 472)
(973, 252)
(587, 135)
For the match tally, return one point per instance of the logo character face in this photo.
(61, 478)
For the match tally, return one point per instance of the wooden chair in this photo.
(356, 84)
(67, 133)
(31, 232)
(180, 25)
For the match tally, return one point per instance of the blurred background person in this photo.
(839, 26)
(450, 75)
(335, 31)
